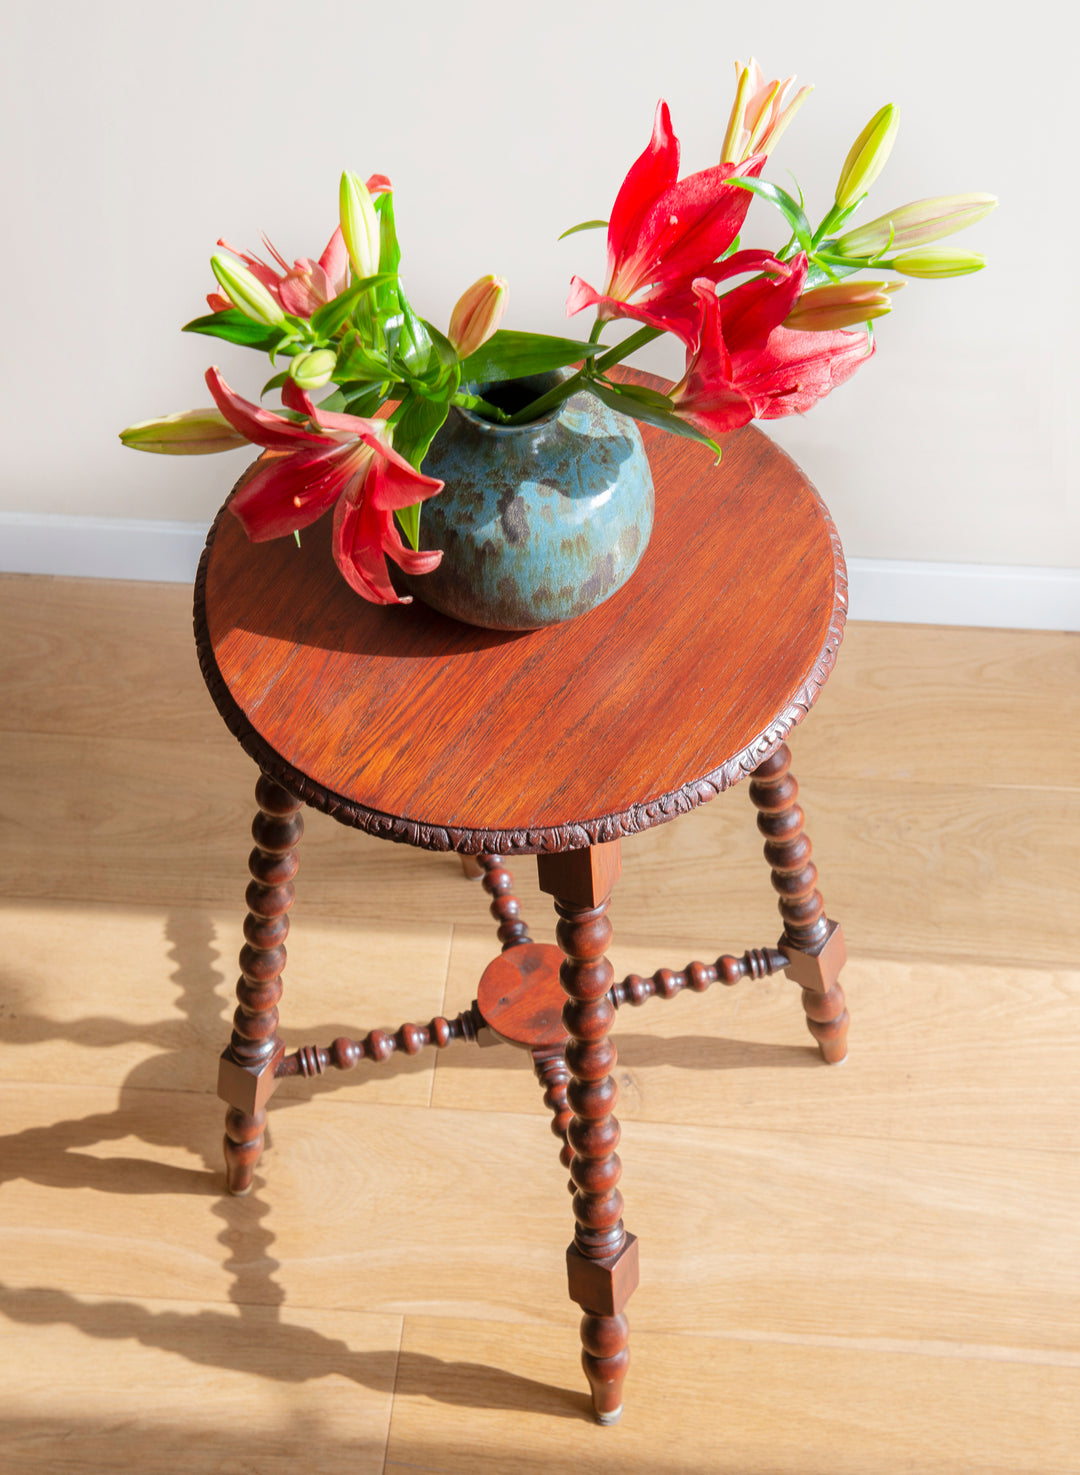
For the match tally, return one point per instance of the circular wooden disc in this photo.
(521, 998)
(417, 728)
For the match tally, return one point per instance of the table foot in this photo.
(814, 944)
(246, 1075)
(244, 1136)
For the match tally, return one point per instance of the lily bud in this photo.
(359, 224)
(845, 305)
(190, 433)
(868, 155)
(246, 292)
(942, 263)
(477, 314)
(313, 370)
(916, 224)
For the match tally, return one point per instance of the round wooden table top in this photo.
(411, 726)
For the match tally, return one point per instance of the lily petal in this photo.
(287, 490)
(261, 427)
(358, 553)
(653, 172)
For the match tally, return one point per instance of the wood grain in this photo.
(652, 703)
(736, 1408)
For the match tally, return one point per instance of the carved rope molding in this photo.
(537, 840)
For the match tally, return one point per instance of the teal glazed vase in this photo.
(537, 523)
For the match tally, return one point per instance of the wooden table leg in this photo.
(815, 946)
(602, 1260)
(246, 1078)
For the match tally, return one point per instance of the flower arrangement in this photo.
(766, 332)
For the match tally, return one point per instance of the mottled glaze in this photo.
(537, 523)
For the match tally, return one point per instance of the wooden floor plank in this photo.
(763, 1231)
(991, 881)
(160, 1386)
(157, 992)
(870, 1268)
(924, 1040)
(904, 700)
(92, 659)
(726, 1407)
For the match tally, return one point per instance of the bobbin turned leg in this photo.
(813, 944)
(246, 1077)
(602, 1260)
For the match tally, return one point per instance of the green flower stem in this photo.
(584, 375)
(482, 407)
(628, 346)
(549, 401)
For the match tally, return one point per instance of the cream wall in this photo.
(145, 130)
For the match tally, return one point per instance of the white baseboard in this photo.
(100, 547)
(1008, 596)
(1002, 596)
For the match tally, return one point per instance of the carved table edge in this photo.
(538, 839)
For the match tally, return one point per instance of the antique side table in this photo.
(554, 743)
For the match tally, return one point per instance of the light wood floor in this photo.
(865, 1269)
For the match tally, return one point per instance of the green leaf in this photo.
(414, 345)
(356, 399)
(788, 207)
(326, 320)
(275, 383)
(236, 327)
(585, 225)
(409, 522)
(416, 423)
(509, 355)
(632, 400)
(357, 361)
(389, 295)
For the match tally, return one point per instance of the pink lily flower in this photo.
(664, 233)
(761, 111)
(307, 285)
(335, 459)
(749, 367)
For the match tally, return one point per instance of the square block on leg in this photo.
(821, 970)
(247, 1089)
(583, 878)
(603, 1287)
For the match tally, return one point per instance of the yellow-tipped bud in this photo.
(916, 224)
(246, 292)
(190, 433)
(359, 225)
(477, 314)
(313, 370)
(941, 263)
(868, 155)
(843, 305)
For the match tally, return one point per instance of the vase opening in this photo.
(513, 395)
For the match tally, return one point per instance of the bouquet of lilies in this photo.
(766, 333)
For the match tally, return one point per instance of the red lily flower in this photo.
(304, 287)
(340, 459)
(664, 233)
(749, 367)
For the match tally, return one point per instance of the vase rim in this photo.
(542, 383)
